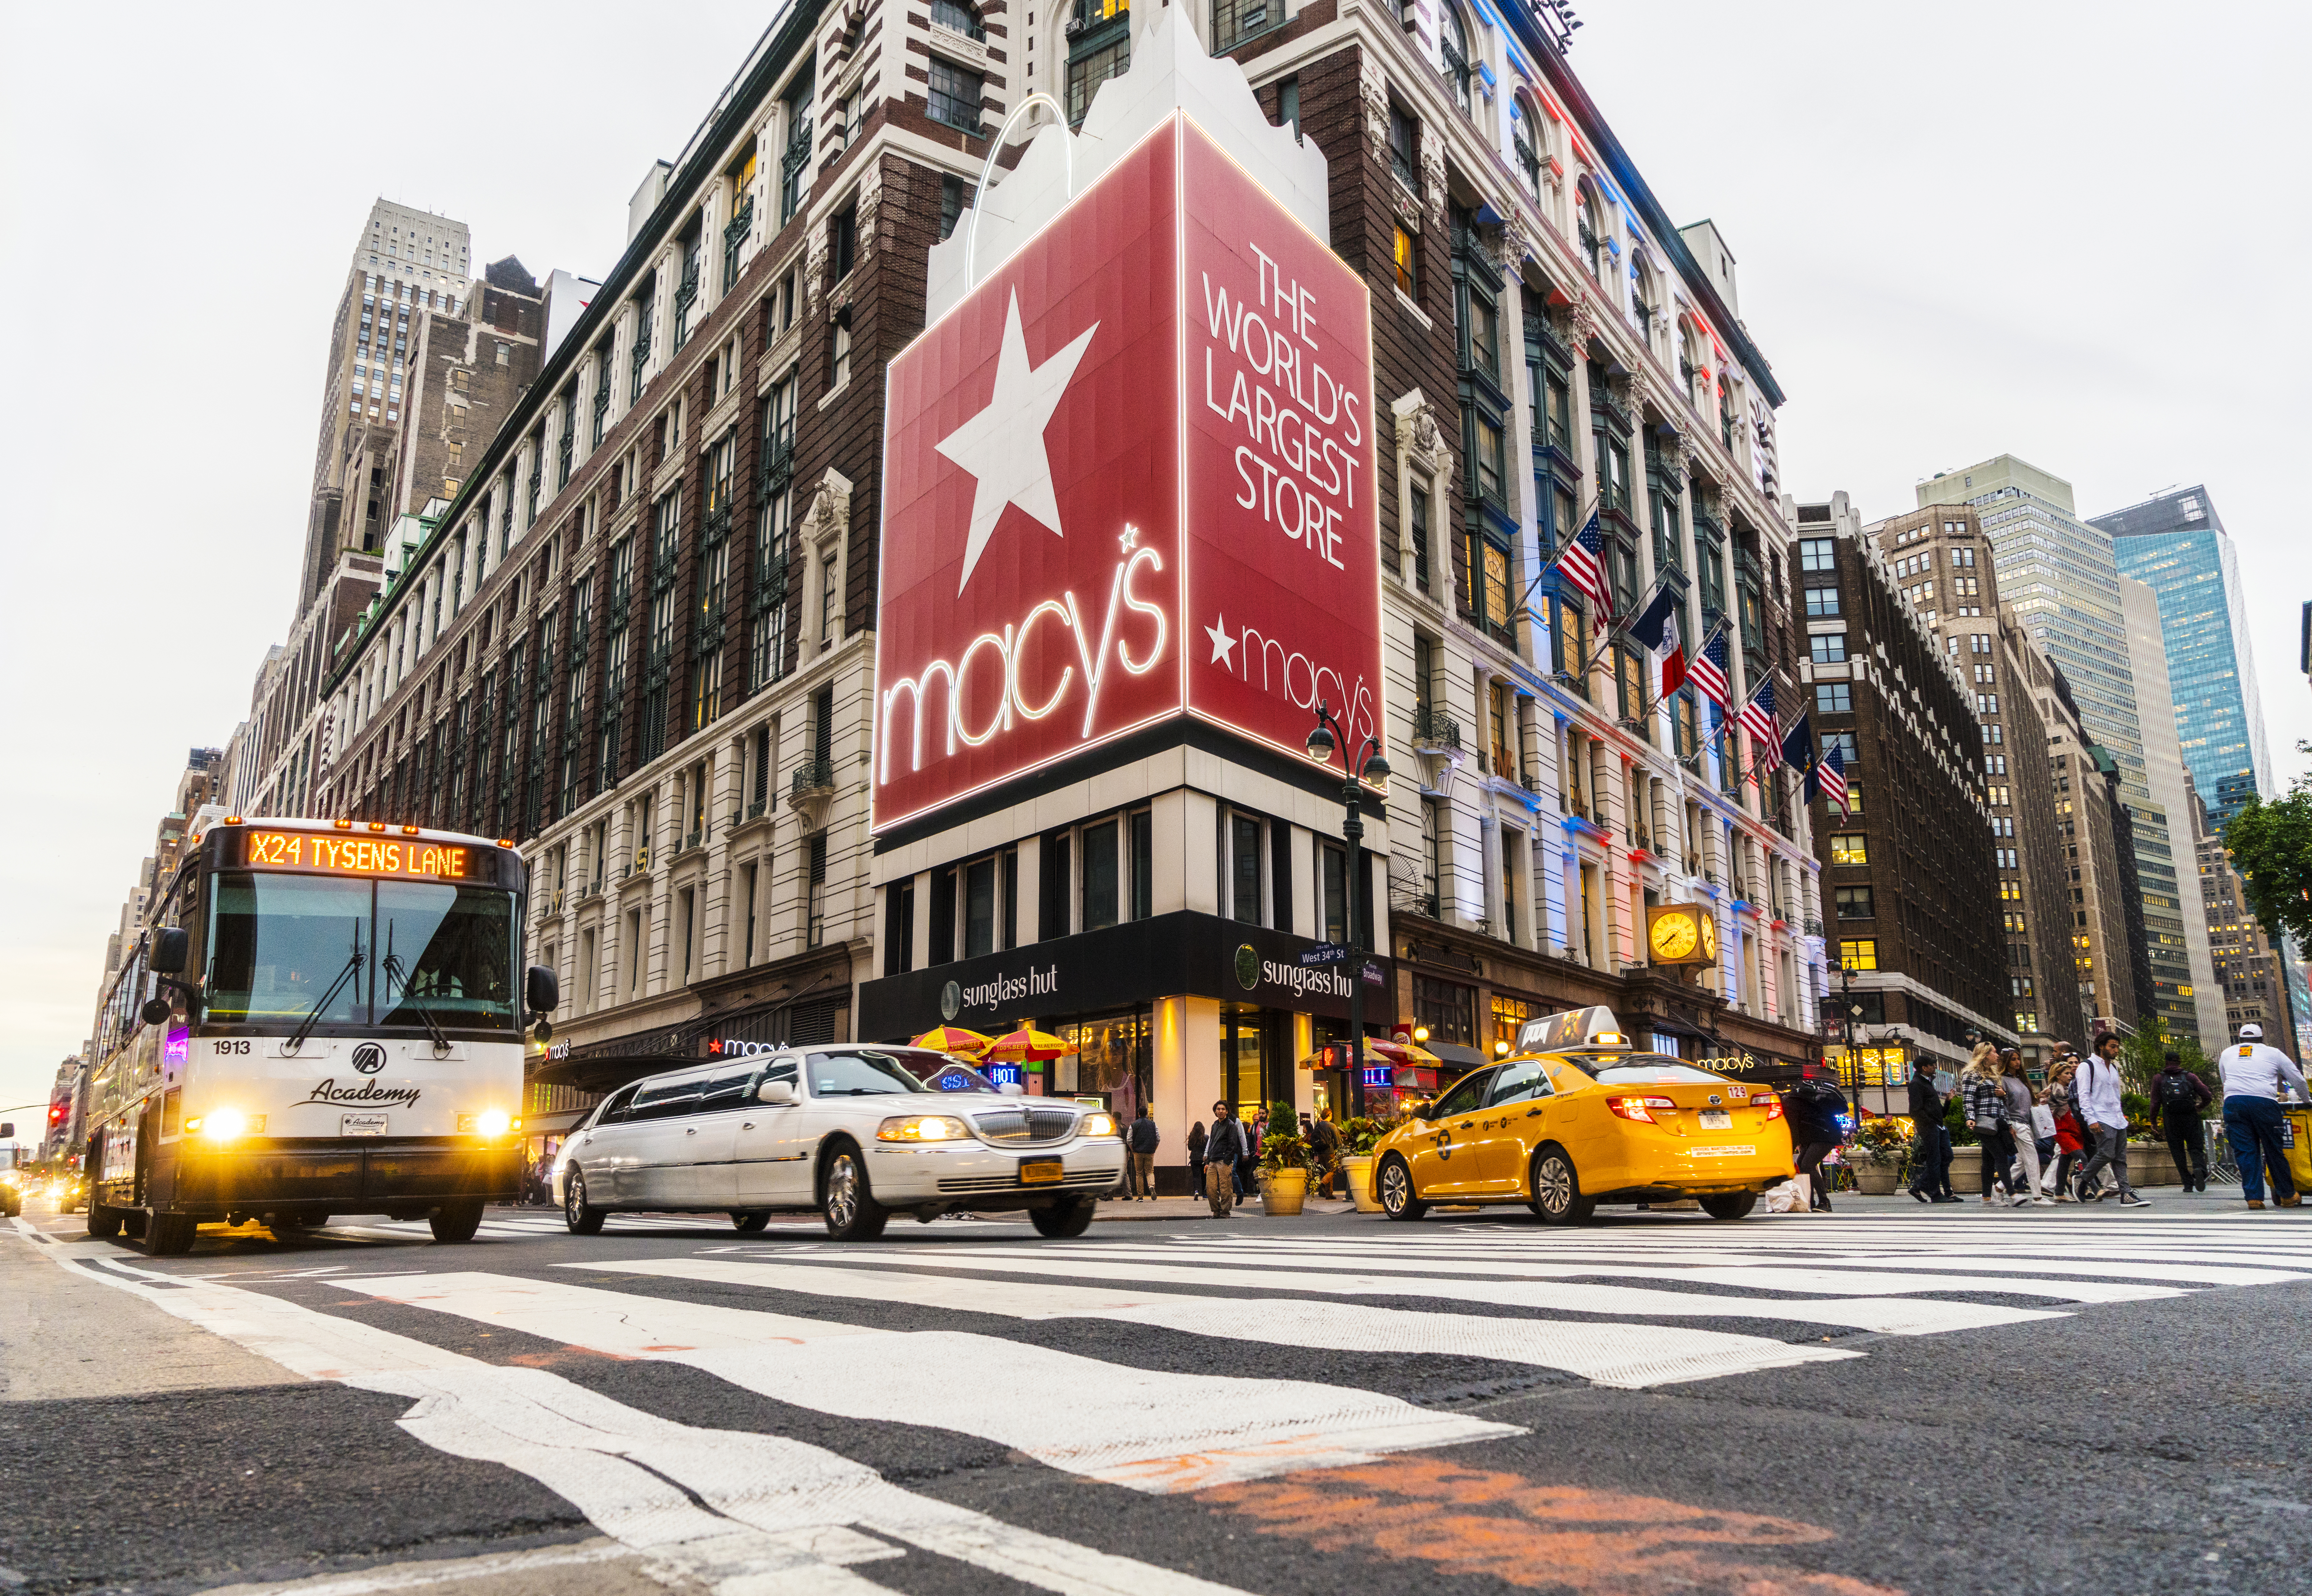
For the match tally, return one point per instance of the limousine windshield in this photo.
(862, 1072)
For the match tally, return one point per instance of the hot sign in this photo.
(1129, 477)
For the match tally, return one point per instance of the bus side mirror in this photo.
(7, 1130)
(157, 1011)
(169, 948)
(545, 993)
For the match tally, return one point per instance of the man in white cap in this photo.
(2252, 1074)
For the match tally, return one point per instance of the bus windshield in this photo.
(387, 954)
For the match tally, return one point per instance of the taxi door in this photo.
(1510, 1126)
(1445, 1146)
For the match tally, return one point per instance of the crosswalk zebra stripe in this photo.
(1763, 1276)
(1894, 1316)
(773, 1511)
(1150, 1429)
(2038, 1261)
(1625, 1356)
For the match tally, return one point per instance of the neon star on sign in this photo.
(1129, 480)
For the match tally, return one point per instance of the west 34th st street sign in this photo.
(1129, 477)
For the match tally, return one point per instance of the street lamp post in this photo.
(1368, 762)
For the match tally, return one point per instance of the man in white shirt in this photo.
(2253, 1075)
(2095, 1100)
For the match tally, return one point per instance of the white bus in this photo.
(324, 1017)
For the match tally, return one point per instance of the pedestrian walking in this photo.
(1813, 1107)
(2178, 1099)
(1930, 1182)
(1195, 1157)
(1983, 1088)
(1223, 1149)
(2252, 1076)
(1325, 1143)
(1145, 1139)
(2095, 1097)
(2022, 1130)
(2069, 1134)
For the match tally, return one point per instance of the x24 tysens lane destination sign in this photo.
(1129, 477)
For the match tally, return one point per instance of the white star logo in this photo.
(1003, 445)
(1224, 645)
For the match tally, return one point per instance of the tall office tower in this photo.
(2251, 967)
(2059, 573)
(2176, 546)
(2175, 916)
(1943, 571)
(406, 260)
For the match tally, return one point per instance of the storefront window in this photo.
(1509, 1014)
(1114, 1060)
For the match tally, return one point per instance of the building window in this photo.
(1827, 648)
(957, 18)
(1100, 887)
(839, 351)
(1849, 848)
(1453, 48)
(815, 904)
(1287, 105)
(1089, 71)
(1417, 510)
(1833, 698)
(1813, 553)
(954, 97)
(952, 195)
(1859, 955)
(843, 236)
(1408, 265)
(1403, 154)
(1822, 601)
(1236, 20)
(1448, 1008)
(1854, 902)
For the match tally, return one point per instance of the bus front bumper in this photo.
(382, 1177)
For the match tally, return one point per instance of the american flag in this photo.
(1830, 775)
(1707, 670)
(1583, 563)
(1758, 719)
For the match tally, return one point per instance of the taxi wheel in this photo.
(1062, 1220)
(851, 1210)
(1394, 1183)
(749, 1223)
(1730, 1205)
(583, 1218)
(1557, 1197)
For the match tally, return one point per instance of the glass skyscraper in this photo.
(2176, 545)
(2060, 573)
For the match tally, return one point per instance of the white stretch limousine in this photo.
(854, 1131)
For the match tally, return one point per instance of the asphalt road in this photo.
(1894, 1399)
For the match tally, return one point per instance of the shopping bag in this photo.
(1791, 1197)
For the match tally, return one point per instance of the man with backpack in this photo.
(2095, 1097)
(1143, 1142)
(2178, 1099)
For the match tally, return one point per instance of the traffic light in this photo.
(56, 1114)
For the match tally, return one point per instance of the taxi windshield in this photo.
(1640, 1069)
(862, 1072)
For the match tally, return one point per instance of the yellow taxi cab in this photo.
(1577, 1117)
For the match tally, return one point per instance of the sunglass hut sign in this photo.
(1129, 477)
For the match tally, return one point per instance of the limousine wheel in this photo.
(853, 1214)
(1061, 1220)
(748, 1223)
(583, 1218)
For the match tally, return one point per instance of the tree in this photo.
(2142, 1055)
(2271, 845)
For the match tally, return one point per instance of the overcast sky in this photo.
(2063, 230)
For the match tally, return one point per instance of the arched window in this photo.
(1453, 45)
(1645, 295)
(1689, 356)
(1591, 240)
(1528, 135)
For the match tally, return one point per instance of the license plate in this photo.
(1724, 1152)
(1041, 1171)
(1717, 1118)
(361, 1124)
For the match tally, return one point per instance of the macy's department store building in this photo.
(1129, 547)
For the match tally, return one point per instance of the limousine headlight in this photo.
(922, 1127)
(1097, 1125)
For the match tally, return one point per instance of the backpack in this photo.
(2175, 1091)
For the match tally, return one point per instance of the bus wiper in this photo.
(313, 1016)
(394, 971)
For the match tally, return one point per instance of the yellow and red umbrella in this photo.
(1404, 1053)
(955, 1039)
(1029, 1045)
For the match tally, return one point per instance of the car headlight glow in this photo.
(1097, 1125)
(922, 1127)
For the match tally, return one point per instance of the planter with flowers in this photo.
(1881, 1145)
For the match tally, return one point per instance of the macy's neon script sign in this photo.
(1009, 647)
